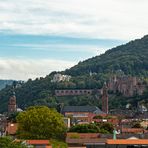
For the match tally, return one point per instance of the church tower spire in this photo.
(12, 103)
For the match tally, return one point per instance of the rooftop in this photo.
(128, 141)
(35, 142)
(92, 109)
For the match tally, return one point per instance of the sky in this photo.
(41, 36)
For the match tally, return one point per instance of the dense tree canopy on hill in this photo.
(3, 83)
(131, 58)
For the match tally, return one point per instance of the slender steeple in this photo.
(105, 99)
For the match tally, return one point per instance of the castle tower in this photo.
(12, 103)
(105, 99)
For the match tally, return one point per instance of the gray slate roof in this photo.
(92, 109)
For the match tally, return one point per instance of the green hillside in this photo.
(3, 83)
(131, 58)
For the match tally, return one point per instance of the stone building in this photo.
(73, 92)
(59, 77)
(81, 114)
(12, 104)
(126, 85)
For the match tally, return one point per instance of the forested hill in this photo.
(3, 83)
(131, 58)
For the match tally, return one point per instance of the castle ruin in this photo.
(126, 85)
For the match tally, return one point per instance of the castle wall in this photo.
(126, 85)
(74, 92)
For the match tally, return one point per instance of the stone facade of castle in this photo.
(126, 85)
(76, 92)
(59, 77)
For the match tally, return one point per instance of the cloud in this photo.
(19, 69)
(91, 49)
(118, 19)
(79, 19)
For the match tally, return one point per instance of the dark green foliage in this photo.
(12, 117)
(131, 58)
(85, 128)
(80, 100)
(6, 142)
(58, 144)
(40, 122)
(92, 128)
(3, 83)
(105, 126)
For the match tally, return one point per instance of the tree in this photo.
(105, 128)
(40, 122)
(6, 142)
(85, 128)
(12, 117)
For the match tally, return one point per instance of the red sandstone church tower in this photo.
(105, 99)
(12, 104)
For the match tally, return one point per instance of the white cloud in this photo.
(118, 19)
(92, 49)
(19, 69)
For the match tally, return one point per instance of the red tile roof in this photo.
(128, 141)
(132, 130)
(35, 142)
(85, 140)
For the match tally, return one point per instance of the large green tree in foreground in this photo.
(40, 122)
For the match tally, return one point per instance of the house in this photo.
(133, 130)
(67, 122)
(77, 140)
(94, 140)
(81, 113)
(11, 129)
